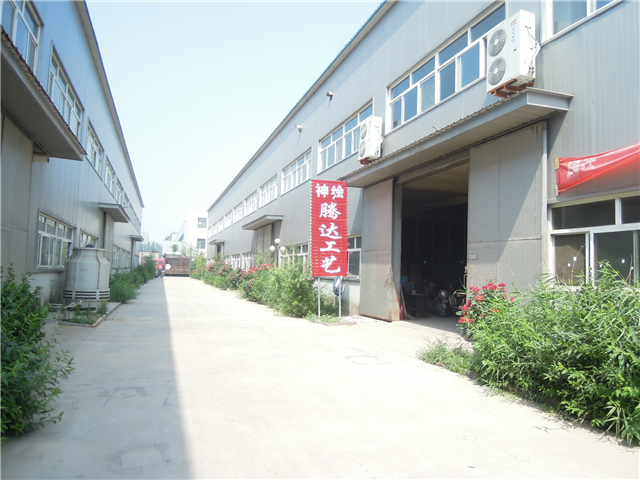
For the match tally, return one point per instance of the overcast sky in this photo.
(199, 86)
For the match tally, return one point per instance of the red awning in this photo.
(576, 170)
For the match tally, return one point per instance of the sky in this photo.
(200, 86)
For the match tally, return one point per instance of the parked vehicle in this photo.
(176, 265)
(444, 299)
(159, 267)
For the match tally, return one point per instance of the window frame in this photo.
(228, 219)
(297, 172)
(591, 8)
(204, 243)
(268, 191)
(71, 108)
(237, 212)
(247, 261)
(301, 251)
(440, 64)
(356, 249)
(96, 154)
(337, 139)
(54, 240)
(201, 221)
(251, 203)
(30, 54)
(590, 232)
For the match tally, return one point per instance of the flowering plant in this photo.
(483, 303)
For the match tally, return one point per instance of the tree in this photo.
(174, 247)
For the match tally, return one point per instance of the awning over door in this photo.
(262, 221)
(507, 115)
(573, 171)
(116, 212)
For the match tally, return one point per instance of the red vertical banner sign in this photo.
(329, 241)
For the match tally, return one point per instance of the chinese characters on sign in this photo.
(329, 257)
(576, 170)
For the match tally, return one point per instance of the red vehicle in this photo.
(159, 267)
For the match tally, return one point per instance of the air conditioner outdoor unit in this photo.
(370, 140)
(511, 53)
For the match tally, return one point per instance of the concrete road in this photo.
(188, 381)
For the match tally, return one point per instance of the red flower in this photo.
(501, 285)
(479, 298)
(474, 289)
(465, 308)
(492, 286)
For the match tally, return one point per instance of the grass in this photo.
(457, 358)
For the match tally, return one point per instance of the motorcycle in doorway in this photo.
(449, 300)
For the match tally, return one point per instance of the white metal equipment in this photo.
(511, 52)
(370, 140)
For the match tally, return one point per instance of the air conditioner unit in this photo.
(511, 53)
(370, 140)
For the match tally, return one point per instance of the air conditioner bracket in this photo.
(509, 89)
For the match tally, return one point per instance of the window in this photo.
(87, 240)
(344, 141)
(300, 252)
(588, 234)
(568, 12)
(221, 225)
(296, 173)
(269, 191)
(228, 219)
(202, 222)
(54, 242)
(353, 249)
(95, 153)
(237, 213)
(63, 96)
(247, 261)
(21, 23)
(235, 260)
(202, 243)
(115, 257)
(109, 176)
(119, 192)
(454, 67)
(251, 203)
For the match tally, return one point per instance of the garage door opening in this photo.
(434, 241)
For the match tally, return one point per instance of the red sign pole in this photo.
(329, 240)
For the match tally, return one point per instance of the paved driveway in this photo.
(188, 381)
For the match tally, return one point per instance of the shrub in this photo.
(123, 288)
(32, 367)
(580, 347)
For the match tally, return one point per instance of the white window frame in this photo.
(439, 65)
(335, 143)
(57, 238)
(251, 203)
(228, 219)
(301, 251)
(237, 212)
(88, 239)
(95, 154)
(296, 173)
(63, 95)
(19, 16)
(356, 250)
(590, 232)
(201, 221)
(247, 261)
(109, 175)
(204, 243)
(591, 9)
(235, 260)
(221, 224)
(268, 192)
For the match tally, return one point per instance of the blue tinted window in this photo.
(401, 87)
(424, 70)
(487, 24)
(470, 63)
(448, 81)
(411, 104)
(452, 49)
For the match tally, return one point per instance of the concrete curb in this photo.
(110, 309)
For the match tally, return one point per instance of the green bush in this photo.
(32, 367)
(580, 347)
(197, 267)
(123, 287)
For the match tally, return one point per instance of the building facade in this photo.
(191, 235)
(67, 178)
(465, 187)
